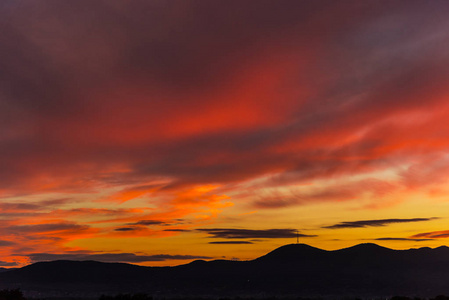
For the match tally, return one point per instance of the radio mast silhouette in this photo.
(297, 236)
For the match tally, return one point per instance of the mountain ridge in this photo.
(295, 269)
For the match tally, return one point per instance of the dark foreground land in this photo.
(296, 271)
(16, 294)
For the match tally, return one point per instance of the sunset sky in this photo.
(160, 132)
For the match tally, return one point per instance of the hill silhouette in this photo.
(292, 252)
(296, 269)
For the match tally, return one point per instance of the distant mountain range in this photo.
(365, 270)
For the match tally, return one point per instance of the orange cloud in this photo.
(197, 202)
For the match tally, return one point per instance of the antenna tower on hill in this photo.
(297, 236)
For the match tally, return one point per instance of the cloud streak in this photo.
(402, 239)
(233, 233)
(231, 243)
(147, 222)
(111, 257)
(375, 223)
(432, 235)
(9, 264)
(6, 243)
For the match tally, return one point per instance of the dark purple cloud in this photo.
(8, 264)
(24, 207)
(128, 228)
(4, 243)
(111, 257)
(432, 235)
(51, 227)
(376, 223)
(147, 222)
(233, 233)
(230, 242)
(401, 239)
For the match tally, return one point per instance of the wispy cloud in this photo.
(402, 239)
(231, 242)
(127, 228)
(432, 235)
(375, 223)
(9, 264)
(233, 233)
(6, 243)
(61, 227)
(147, 222)
(336, 192)
(111, 257)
